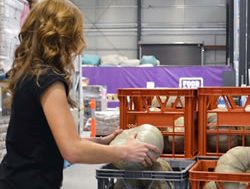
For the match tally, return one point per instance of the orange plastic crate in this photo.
(203, 172)
(136, 109)
(232, 124)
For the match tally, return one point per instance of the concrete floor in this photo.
(80, 176)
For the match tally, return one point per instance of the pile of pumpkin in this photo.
(212, 140)
(151, 135)
(235, 160)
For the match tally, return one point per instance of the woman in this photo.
(42, 131)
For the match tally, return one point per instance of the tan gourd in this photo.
(210, 185)
(223, 139)
(177, 140)
(162, 165)
(171, 100)
(236, 160)
(145, 133)
(159, 165)
(211, 139)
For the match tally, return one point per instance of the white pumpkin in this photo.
(145, 133)
(127, 184)
(171, 99)
(211, 139)
(247, 139)
(222, 138)
(159, 165)
(210, 185)
(236, 160)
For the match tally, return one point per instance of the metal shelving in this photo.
(76, 91)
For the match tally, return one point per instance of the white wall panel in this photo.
(128, 53)
(115, 2)
(220, 39)
(112, 24)
(116, 15)
(205, 15)
(110, 44)
(205, 2)
(180, 38)
(160, 3)
(116, 42)
(162, 15)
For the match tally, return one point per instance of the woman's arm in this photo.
(76, 150)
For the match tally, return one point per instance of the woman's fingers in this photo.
(151, 156)
(149, 161)
(107, 139)
(141, 152)
(144, 163)
(117, 132)
(153, 148)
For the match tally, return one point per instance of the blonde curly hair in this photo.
(51, 38)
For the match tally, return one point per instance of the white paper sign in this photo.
(190, 82)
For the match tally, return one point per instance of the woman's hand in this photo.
(107, 139)
(140, 152)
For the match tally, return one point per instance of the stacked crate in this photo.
(163, 108)
(223, 119)
(223, 124)
(230, 124)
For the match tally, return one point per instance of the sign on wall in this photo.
(190, 82)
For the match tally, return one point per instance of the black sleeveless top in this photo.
(33, 160)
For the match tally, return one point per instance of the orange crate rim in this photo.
(196, 173)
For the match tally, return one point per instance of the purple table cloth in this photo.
(163, 76)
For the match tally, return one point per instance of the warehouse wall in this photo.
(111, 25)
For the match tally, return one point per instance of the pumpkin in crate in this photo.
(177, 140)
(125, 184)
(247, 136)
(235, 160)
(145, 133)
(159, 165)
(222, 139)
(210, 185)
(247, 139)
(180, 101)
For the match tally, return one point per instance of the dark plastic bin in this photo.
(108, 175)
